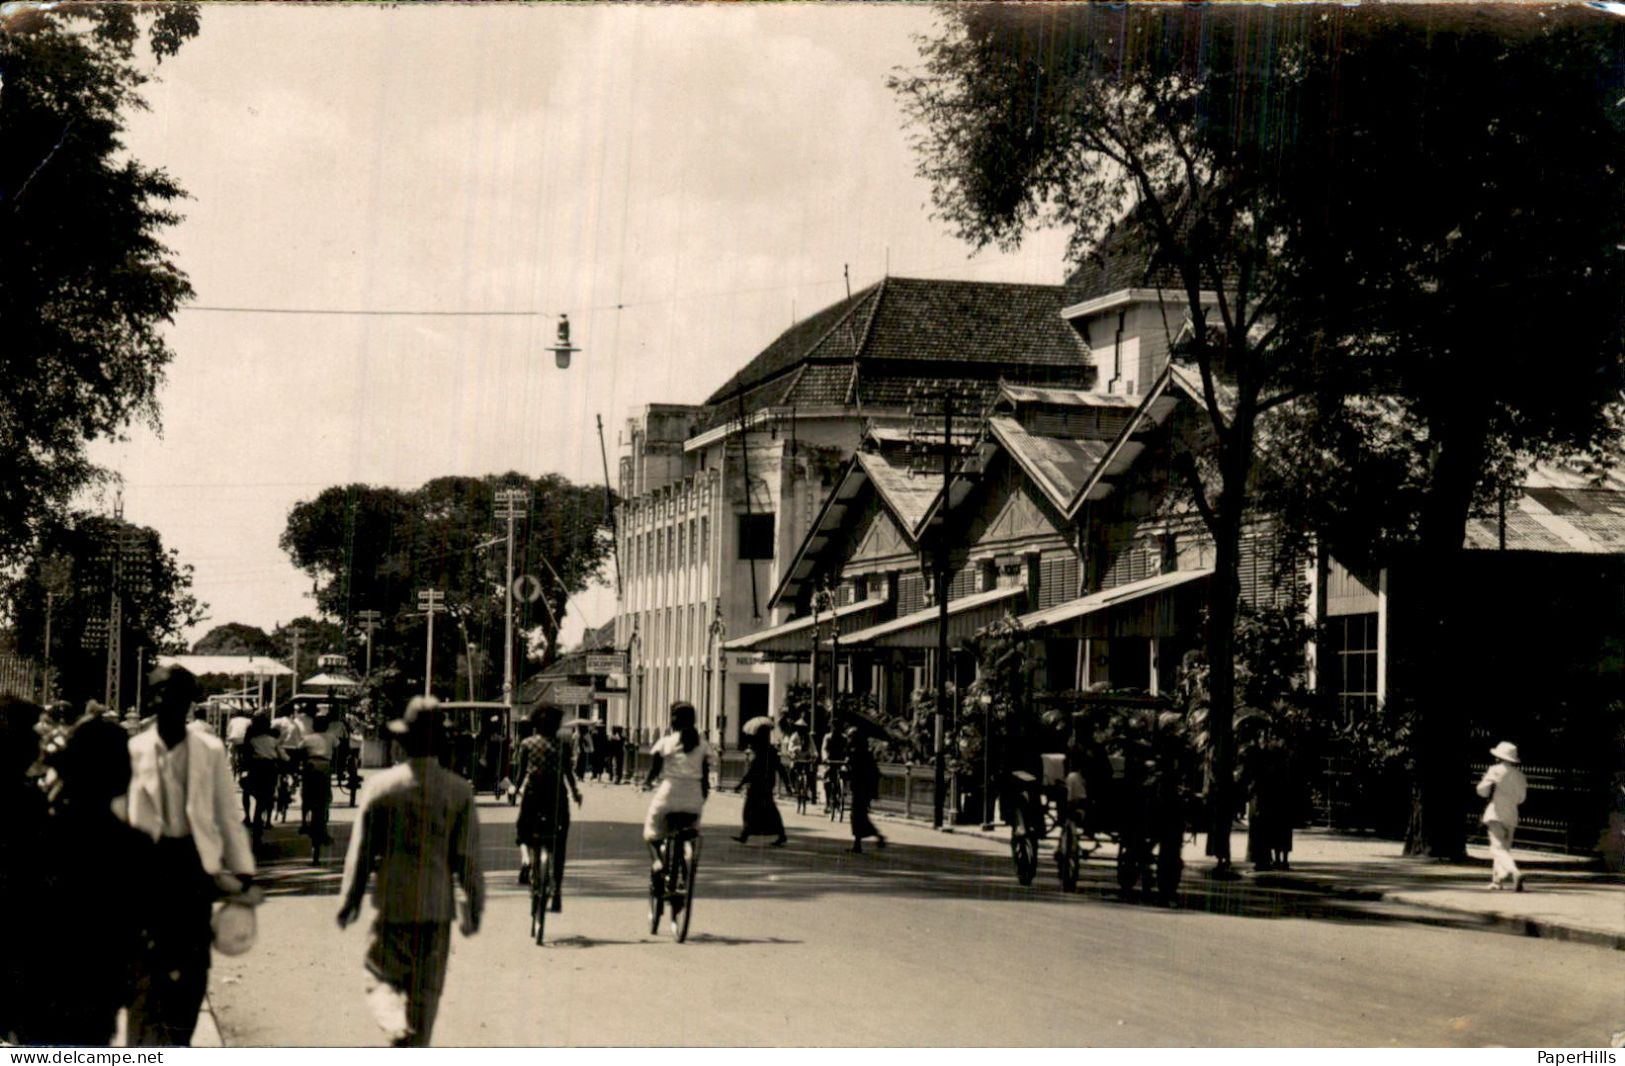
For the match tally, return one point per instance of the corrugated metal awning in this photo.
(966, 615)
(792, 639)
(1133, 592)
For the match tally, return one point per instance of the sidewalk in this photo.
(1565, 897)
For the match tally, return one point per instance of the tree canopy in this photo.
(1348, 200)
(157, 604)
(373, 548)
(85, 282)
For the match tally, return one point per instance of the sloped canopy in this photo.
(227, 665)
(966, 615)
(1072, 612)
(328, 681)
(789, 640)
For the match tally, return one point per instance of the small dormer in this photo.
(1128, 309)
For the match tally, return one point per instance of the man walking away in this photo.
(416, 826)
(1505, 787)
(181, 797)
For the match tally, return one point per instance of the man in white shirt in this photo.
(1505, 787)
(181, 796)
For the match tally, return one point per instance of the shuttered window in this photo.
(1057, 578)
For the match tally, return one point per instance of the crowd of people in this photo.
(122, 836)
(114, 850)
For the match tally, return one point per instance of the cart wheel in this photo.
(1024, 850)
(1128, 869)
(1170, 867)
(1067, 857)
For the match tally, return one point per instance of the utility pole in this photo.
(430, 602)
(930, 406)
(510, 504)
(369, 622)
(55, 576)
(297, 632)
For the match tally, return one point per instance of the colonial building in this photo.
(717, 496)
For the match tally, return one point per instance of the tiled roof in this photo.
(899, 332)
(1122, 260)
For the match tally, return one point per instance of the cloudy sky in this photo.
(682, 181)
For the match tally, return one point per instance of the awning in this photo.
(792, 639)
(1153, 619)
(966, 615)
(227, 665)
(328, 681)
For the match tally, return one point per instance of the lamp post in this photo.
(719, 630)
(511, 504)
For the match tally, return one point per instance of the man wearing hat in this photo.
(416, 827)
(181, 796)
(1505, 787)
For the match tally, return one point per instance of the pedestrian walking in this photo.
(181, 797)
(761, 815)
(264, 764)
(79, 983)
(547, 785)
(316, 786)
(864, 778)
(584, 752)
(418, 829)
(617, 754)
(1505, 786)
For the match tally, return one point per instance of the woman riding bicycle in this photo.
(681, 761)
(544, 816)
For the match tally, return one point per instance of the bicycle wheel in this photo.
(1067, 856)
(682, 904)
(541, 892)
(1023, 849)
(657, 889)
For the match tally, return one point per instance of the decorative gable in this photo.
(1019, 519)
(883, 539)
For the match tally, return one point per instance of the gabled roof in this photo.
(1058, 466)
(1173, 385)
(872, 347)
(901, 494)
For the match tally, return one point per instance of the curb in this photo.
(1516, 924)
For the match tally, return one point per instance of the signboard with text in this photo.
(606, 663)
(571, 695)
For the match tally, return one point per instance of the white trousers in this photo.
(1501, 853)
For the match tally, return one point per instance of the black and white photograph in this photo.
(812, 525)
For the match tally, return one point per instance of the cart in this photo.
(483, 741)
(1127, 777)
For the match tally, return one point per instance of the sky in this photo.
(684, 182)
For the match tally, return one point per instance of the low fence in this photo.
(19, 677)
(1566, 809)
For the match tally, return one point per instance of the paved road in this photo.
(929, 942)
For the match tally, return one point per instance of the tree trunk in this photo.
(1221, 633)
(1439, 825)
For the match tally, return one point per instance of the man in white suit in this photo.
(181, 796)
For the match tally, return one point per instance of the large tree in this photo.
(1209, 135)
(85, 282)
(1468, 280)
(73, 578)
(371, 548)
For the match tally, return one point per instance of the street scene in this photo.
(866, 526)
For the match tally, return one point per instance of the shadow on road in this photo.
(607, 860)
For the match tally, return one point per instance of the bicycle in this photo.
(801, 781)
(541, 891)
(835, 791)
(673, 884)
